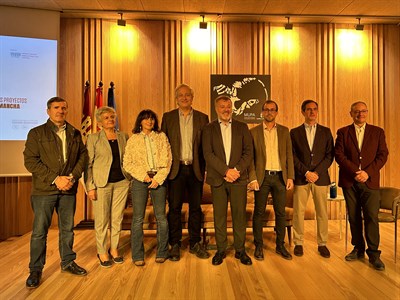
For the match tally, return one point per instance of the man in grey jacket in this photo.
(56, 156)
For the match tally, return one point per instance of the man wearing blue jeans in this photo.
(56, 156)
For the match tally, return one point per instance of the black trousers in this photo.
(237, 194)
(275, 185)
(359, 198)
(185, 184)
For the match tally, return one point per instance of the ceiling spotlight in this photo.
(203, 25)
(288, 25)
(359, 26)
(121, 22)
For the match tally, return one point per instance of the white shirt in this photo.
(360, 134)
(310, 133)
(62, 135)
(226, 131)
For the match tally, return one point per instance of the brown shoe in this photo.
(174, 253)
(355, 254)
(281, 250)
(324, 251)
(139, 263)
(199, 251)
(161, 260)
(298, 250)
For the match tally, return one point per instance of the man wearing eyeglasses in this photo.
(271, 171)
(361, 152)
(313, 153)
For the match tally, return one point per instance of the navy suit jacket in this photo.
(214, 152)
(319, 159)
(372, 156)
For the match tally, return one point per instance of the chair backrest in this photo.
(388, 194)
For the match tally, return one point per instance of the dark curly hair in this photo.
(145, 114)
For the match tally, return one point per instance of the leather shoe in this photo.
(298, 250)
(105, 263)
(258, 253)
(74, 269)
(324, 251)
(283, 252)
(355, 254)
(117, 259)
(175, 254)
(377, 264)
(244, 258)
(33, 280)
(161, 260)
(199, 251)
(218, 258)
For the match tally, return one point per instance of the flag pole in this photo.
(86, 129)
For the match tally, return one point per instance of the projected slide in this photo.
(28, 78)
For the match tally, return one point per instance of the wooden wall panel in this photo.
(196, 64)
(293, 70)
(147, 59)
(392, 103)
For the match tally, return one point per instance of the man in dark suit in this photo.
(361, 152)
(183, 128)
(271, 171)
(313, 153)
(228, 151)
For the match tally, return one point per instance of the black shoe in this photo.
(33, 280)
(377, 263)
(298, 250)
(106, 263)
(118, 259)
(175, 254)
(258, 253)
(199, 251)
(74, 269)
(244, 258)
(218, 258)
(324, 251)
(283, 252)
(355, 254)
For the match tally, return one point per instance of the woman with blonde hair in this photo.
(107, 184)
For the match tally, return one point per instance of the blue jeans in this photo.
(43, 208)
(140, 192)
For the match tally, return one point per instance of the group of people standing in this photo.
(171, 161)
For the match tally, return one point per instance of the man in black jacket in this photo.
(56, 156)
(313, 153)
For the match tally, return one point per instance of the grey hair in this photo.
(181, 86)
(102, 110)
(358, 102)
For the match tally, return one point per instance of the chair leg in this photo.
(204, 237)
(289, 233)
(347, 229)
(395, 240)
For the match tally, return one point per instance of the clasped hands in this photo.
(64, 183)
(311, 176)
(361, 176)
(232, 175)
(153, 184)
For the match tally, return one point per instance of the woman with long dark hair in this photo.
(148, 159)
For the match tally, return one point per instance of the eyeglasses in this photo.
(357, 112)
(273, 110)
